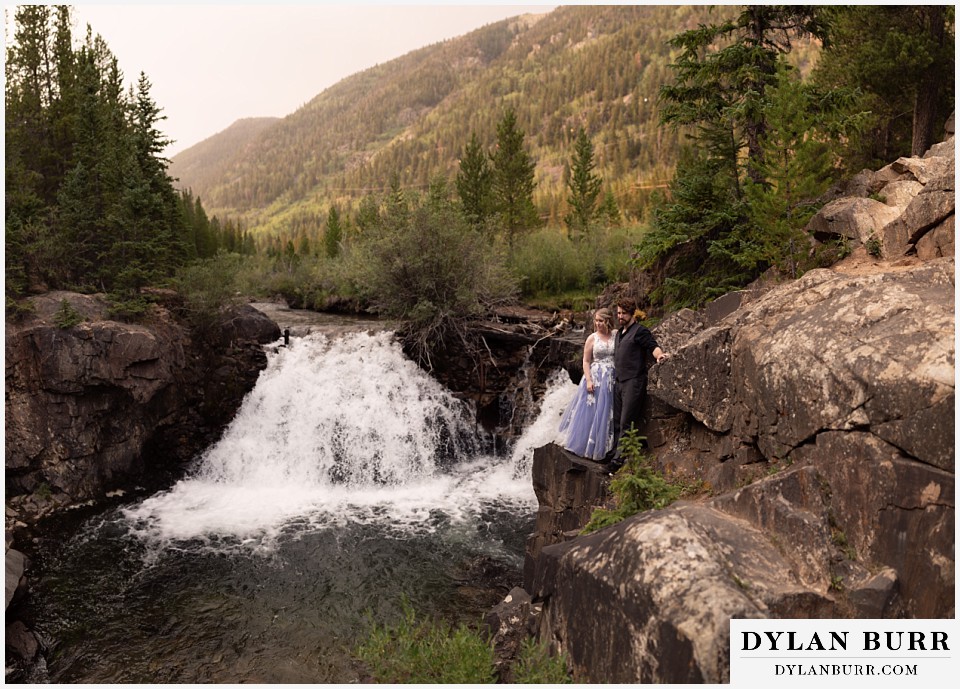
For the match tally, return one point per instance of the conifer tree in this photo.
(89, 203)
(610, 211)
(303, 246)
(149, 244)
(800, 161)
(91, 188)
(584, 188)
(474, 183)
(722, 91)
(205, 240)
(902, 58)
(513, 179)
(368, 214)
(725, 73)
(334, 233)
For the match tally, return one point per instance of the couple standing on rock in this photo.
(611, 394)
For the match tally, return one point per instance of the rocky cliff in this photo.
(93, 406)
(96, 407)
(819, 416)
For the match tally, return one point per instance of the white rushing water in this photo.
(344, 429)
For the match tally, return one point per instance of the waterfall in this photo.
(349, 480)
(543, 430)
(342, 429)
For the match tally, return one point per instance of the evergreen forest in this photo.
(544, 157)
(89, 204)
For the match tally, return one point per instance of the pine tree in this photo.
(89, 204)
(722, 91)
(334, 233)
(725, 73)
(800, 161)
(303, 246)
(610, 211)
(90, 189)
(205, 240)
(149, 244)
(513, 179)
(584, 187)
(368, 215)
(902, 58)
(474, 184)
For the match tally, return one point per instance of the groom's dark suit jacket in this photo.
(630, 353)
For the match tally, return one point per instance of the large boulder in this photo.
(893, 209)
(81, 401)
(852, 217)
(819, 417)
(16, 565)
(928, 210)
(649, 600)
(568, 489)
(853, 343)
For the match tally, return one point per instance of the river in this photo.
(348, 481)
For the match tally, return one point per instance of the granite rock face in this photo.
(829, 351)
(649, 600)
(90, 406)
(820, 417)
(94, 406)
(568, 489)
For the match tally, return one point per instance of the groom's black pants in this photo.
(628, 400)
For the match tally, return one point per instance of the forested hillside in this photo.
(594, 67)
(548, 155)
(213, 153)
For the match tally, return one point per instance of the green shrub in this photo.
(637, 487)
(546, 262)
(66, 316)
(127, 306)
(535, 665)
(415, 652)
(207, 286)
(18, 309)
(428, 268)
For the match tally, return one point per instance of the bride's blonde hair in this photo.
(606, 315)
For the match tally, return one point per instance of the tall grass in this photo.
(416, 651)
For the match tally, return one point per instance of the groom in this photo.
(632, 344)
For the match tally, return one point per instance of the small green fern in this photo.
(637, 487)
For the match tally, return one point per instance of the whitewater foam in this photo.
(344, 429)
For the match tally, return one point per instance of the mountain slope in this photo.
(594, 66)
(200, 164)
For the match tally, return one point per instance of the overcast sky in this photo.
(212, 64)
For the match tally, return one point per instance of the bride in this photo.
(586, 427)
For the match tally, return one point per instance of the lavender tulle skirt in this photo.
(586, 427)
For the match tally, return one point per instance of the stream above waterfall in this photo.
(348, 481)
